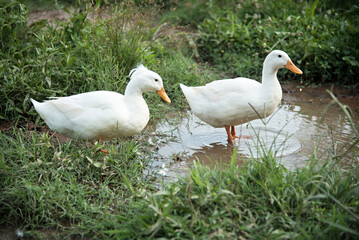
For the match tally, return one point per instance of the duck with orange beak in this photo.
(230, 102)
(103, 115)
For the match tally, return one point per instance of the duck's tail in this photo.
(35, 103)
(38, 107)
(188, 93)
(182, 86)
(186, 90)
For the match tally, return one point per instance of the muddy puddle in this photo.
(291, 133)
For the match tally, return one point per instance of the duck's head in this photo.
(278, 59)
(148, 81)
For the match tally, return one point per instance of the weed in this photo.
(261, 199)
(236, 37)
(79, 55)
(49, 184)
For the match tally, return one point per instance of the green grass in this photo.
(68, 190)
(68, 187)
(319, 36)
(44, 60)
(68, 58)
(259, 200)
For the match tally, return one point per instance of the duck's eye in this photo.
(156, 80)
(279, 56)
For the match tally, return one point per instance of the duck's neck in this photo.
(132, 90)
(136, 103)
(269, 77)
(271, 89)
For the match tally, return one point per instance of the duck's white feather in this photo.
(228, 102)
(93, 115)
(231, 102)
(102, 114)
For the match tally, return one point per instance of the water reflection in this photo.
(291, 133)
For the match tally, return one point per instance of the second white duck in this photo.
(230, 102)
(103, 115)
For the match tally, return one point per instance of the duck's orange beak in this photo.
(163, 95)
(292, 67)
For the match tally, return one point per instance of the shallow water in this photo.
(292, 133)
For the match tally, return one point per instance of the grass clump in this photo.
(261, 200)
(320, 37)
(84, 53)
(66, 57)
(67, 187)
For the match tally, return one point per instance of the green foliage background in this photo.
(319, 36)
(68, 57)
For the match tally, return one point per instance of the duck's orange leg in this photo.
(230, 138)
(233, 132)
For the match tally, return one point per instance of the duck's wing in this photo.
(80, 115)
(96, 99)
(222, 100)
(236, 86)
(221, 91)
(74, 106)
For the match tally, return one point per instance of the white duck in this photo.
(103, 115)
(230, 102)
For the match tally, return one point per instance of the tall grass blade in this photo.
(312, 9)
(234, 158)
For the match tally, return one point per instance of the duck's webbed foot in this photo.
(233, 133)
